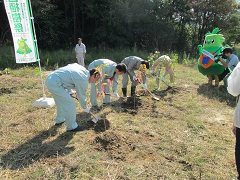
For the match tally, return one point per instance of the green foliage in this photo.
(153, 56)
(7, 57)
(59, 58)
(237, 48)
(174, 60)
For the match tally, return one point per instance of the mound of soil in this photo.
(5, 91)
(173, 90)
(143, 92)
(115, 144)
(132, 103)
(101, 126)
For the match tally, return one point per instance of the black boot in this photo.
(124, 91)
(133, 88)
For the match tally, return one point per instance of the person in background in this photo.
(230, 64)
(62, 80)
(166, 62)
(134, 63)
(234, 89)
(80, 50)
(110, 72)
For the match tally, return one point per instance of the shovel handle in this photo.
(166, 83)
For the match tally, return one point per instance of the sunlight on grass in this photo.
(184, 135)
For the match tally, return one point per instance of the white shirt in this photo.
(234, 89)
(80, 48)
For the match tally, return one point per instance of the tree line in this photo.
(164, 25)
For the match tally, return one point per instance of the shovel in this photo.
(168, 86)
(95, 118)
(108, 94)
(153, 96)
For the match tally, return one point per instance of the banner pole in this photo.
(44, 101)
(38, 58)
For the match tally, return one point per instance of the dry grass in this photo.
(185, 135)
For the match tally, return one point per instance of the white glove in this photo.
(144, 86)
(73, 94)
(162, 78)
(151, 72)
(115, 94)
(72, 91)
(134, 78)
(87, 110)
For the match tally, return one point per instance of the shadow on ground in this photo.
(35, 149)
(221, 94)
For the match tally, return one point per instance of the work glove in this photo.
(144, 86)
(135, 78)
(163, 78)
(87, 110)
(99, 93)
(217, 60)
(115, 94)
(73, 94)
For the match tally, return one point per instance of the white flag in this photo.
(19, 16)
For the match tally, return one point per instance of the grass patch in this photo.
(185, 135)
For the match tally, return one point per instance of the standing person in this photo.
(134, 63)
(80, 50)
(110, 72)
(64, 79)
(166, 62)
(230, 64)
(234, 89)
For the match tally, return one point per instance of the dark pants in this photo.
(221, 76)
(237, 151)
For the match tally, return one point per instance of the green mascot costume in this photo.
(212, 47)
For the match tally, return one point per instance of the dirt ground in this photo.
(186, 134)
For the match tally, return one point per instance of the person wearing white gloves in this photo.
(234, 89)
(164, 61)
(134, 63)
(60, 82)
(110, 72)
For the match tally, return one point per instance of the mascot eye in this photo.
(213, 41)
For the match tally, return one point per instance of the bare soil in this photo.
(117, 145)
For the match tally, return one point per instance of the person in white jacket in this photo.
(60, 82)
(234, 89)
(80, 50)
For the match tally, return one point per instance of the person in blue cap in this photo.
(110, 71)
(60, 82)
